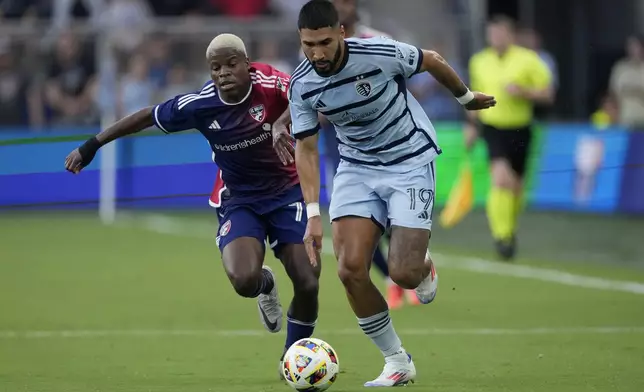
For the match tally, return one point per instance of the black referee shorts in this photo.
(513, 145)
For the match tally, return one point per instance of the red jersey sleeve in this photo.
(217, 190)
(271, 78)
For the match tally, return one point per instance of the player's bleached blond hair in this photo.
(225, 41)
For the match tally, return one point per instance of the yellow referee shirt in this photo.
(492, 74)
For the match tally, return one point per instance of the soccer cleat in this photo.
(426, 290)
(394, 296)
(506, 249)
(270, 309)
(399, 371)
(412, 298)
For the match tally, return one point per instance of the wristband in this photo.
(90, 147)
(465, 98)
(312, 209)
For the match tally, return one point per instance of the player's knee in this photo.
(503, 182)
(245, 283)
(502, 175)
(352, 271)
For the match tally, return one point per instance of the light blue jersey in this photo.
(378, 122)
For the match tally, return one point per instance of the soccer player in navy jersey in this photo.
(243, 113)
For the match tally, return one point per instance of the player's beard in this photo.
(331, 64)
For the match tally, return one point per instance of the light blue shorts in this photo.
(388, 198)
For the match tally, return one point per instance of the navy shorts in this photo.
(278, 221)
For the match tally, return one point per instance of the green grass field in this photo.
(86, 307)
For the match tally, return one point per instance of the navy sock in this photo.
(380, 262)
(266, 284)
(296, 330)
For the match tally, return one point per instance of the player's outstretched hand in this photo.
(481, 101)
(283, 143)
(313, 239)
(75, 161)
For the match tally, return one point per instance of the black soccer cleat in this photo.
(506, 249)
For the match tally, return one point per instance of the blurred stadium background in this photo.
(110, 280)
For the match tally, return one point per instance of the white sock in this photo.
(381, 331)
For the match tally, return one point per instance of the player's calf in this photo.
(364, 297)
(303, 311)
(354, 241)
(407, 250)
(410, 263)
(353, 274)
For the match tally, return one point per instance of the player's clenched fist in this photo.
(82, 156)
(313, 239)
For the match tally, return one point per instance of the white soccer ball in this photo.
(310, 365)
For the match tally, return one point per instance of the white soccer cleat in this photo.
(426, 290)
(270, 309)
(399, 371)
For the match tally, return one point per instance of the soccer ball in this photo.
(310, 365)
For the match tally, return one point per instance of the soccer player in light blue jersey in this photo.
(386, 176)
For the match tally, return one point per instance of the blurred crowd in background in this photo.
(49, 72)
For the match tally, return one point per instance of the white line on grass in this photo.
(151, 333)
(194, 228)
(542, 274)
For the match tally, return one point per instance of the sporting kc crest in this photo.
(363, 88)
(257, 113)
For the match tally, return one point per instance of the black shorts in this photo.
(513, 145)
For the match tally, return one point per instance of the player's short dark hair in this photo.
(318, 14)
(503, 20)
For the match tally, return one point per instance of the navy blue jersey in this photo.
(239, 134)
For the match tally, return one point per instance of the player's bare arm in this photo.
(283, 140)
(307, 161)
(436, 65)
(83, 155)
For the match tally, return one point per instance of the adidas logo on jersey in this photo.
(280, 84)
(399, 54)
(320, 105)
(423, 215)
(214, 126)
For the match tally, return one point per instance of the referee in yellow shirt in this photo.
(519, 79)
